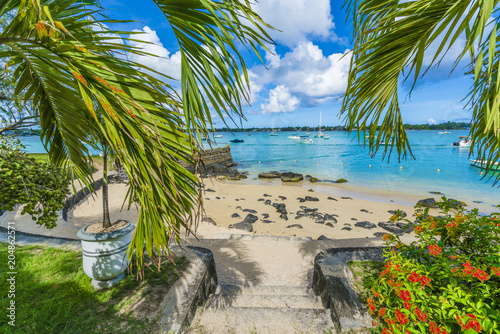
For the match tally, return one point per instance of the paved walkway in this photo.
(265, 285)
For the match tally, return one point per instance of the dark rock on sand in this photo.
(282, 197)
(209, 190)
(330, 218)
(250, 218)
(267, 202)
(406, 227)
(284, 216)
(354, 219)
(249, 210)
(310, 190)
(347, 224)
(428, 203)
(265, 215)
(238, 207)
(329, 224)
(322, 237)
(319, 220)
(270, 175)
(456, 203)
(261, 200)
(341, 181)
(294, 225)
(346, 228)
(394, 212)
(301, 200)
(313, 180)
(266, 195)
(217, 197)
(237, 199)
(364, 210)
(311, 199)
(242, 226)
(235, 215)
(391, 227)
(365, 224)
(379, 234)
(346, 197)
(308, 210)
(291, 177)
(265, 221)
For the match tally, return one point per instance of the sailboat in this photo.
(321, 134)
(273, 133)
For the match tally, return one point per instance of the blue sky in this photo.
(308, 71)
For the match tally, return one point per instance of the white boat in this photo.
(305, 140)
(218, 136)
(321, 134)
(273, 133)
(482, 164)
(294, 136)
(326, 136)
(463, 142)
(443, 132)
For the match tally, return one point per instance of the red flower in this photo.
(386, 331)
(418, 229)
(381, 312)
(425, 280)
(407, 305)
(371, 306)
(495, 271)
(385, 237)
(467, 268)
(405, 295)
(434, 327)
(403, 319)
(435, 250)
(421, 315)
(481, 275)
(374, 323)
(414, 277)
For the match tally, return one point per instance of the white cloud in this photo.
(280, 100)
(297, 19)
(431, 121)
(306, 73)
(166, 63)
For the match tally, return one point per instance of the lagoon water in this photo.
(342, 157)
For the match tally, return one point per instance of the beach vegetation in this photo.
(400, 41)
(38, 186)
(56, 296)
(446, 281)
(71, 68)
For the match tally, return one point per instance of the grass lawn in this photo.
(44, 157)
(53, 295)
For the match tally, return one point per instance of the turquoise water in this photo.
(342, 157)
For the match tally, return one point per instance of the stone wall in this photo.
(219, 156)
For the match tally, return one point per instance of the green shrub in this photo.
(40, 187)
(447, 281)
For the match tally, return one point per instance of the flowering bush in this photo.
(447, 281)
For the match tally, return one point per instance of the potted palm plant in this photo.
(74, 72)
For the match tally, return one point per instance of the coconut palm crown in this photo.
(390, 41)
(70, 66)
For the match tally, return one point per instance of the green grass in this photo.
(44, 157)
(53, 294)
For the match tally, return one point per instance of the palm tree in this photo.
(70, 67)
(391, 39)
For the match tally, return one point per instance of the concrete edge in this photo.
(191, 290)
(40, 236)
(332, 281)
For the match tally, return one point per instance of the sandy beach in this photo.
(335, 212)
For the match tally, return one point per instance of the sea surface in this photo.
(437, 167)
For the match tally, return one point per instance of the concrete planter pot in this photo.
(104, 255)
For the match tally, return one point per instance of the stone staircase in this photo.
(263, 309)
(264, 287)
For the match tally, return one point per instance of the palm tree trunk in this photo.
(106, 222)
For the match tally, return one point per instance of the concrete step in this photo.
(269, 290)
(270, 301)
(265, 320)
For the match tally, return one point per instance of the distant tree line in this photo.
(441, 126)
